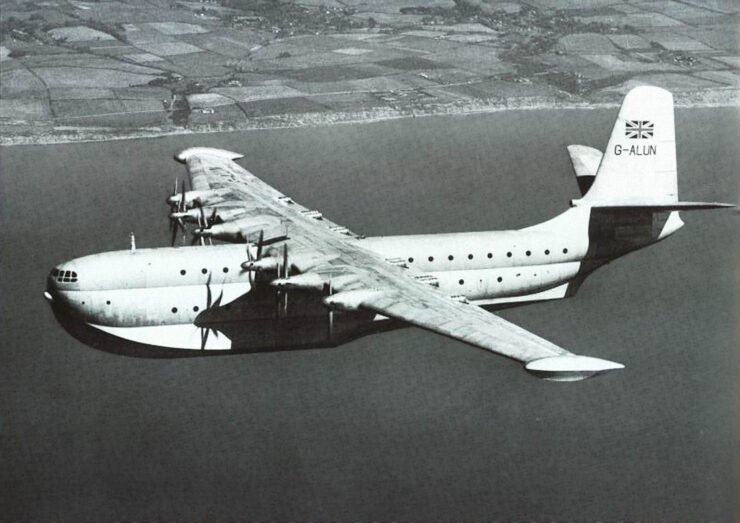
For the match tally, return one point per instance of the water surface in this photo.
(403, 425)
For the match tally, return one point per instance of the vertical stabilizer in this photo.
(639, 164)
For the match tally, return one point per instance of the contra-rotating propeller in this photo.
(330, 324)
(204, 224)
(176, 206)
(252, 264)
(210, 304)
(281, 294)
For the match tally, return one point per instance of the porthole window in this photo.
(490, 255)
(107, 302)
(411, 260)
(183, 272)
(470, 256)
(174, 310)
(547, 251)
(499, 279)
(204, 271)
(565, 251)
(450, 257)
(226, 269)
(508, 255)
(461, 282)
(529, 253)
(431, 258)
(196, 308)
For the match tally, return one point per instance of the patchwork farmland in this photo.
(116, 66)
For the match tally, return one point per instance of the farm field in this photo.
(404, 55)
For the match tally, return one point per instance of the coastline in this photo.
(66, 134)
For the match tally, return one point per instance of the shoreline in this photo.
(67, 134)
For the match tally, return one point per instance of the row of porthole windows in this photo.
(174, 309)
(196, 308)
(489, 255)
(183, 272)
(499, 279)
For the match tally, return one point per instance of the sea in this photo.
(403, 425)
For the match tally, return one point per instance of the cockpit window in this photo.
(64, 276)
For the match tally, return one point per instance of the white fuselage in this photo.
(175, 297)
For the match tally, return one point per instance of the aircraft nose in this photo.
(60, 279)
(51, 285)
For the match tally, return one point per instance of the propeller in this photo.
(171, 197)
(249, 266)
(329, 292)
(176, 205)
(205, 331)
(197, 236)
(204, 223)
(207, 221)
(281, 295)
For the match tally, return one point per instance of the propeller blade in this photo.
(173, 226)
(173, 205)
(260, 243)
(286, 269)
(201, 226)
(278, 300)
(204, 331)
(286, 273)
(331, 312)
(209, 297)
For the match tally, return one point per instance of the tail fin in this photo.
(639, 163)
(638, 169)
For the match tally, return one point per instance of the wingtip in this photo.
(570, 367)
(183, 155)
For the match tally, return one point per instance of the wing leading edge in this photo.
(372, 283)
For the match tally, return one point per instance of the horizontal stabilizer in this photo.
(570, 367)
(585, 160)
(669, 206)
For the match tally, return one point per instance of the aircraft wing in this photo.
(325, 254)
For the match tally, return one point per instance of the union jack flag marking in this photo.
(639, 129)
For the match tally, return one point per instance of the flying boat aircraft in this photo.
(291, 278)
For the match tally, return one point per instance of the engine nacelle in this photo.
(212, 214)
(246, 230)
(198, 198)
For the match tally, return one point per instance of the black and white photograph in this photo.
(369, 260)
